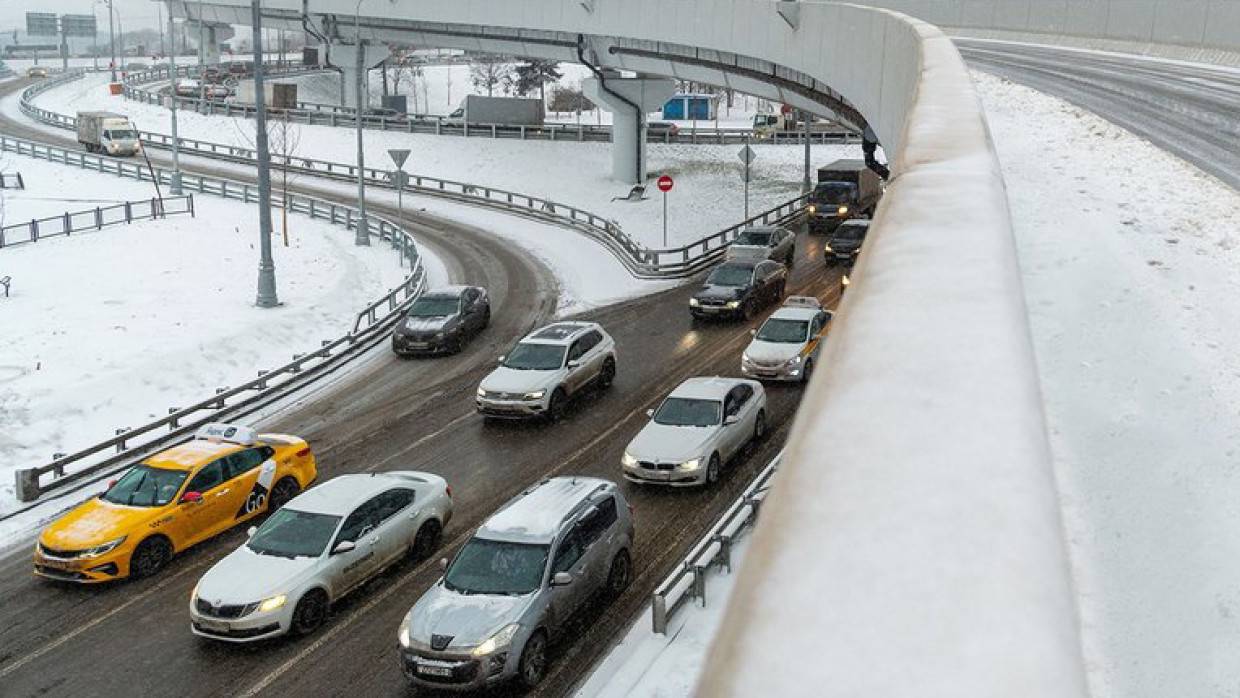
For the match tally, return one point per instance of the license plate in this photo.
(419, 345)
(59, 564)
(431, 670)
(213, 625)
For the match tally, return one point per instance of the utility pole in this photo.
(111, 38)
(363, 227)
(806, 184)
(175, 186)
(266, 267)
(202, 39)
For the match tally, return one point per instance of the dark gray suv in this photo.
(553, 548)
(442, 320)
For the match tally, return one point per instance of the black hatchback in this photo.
(738, 289)
(442, 320)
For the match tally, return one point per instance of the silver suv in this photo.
(524, 573)
(546, 368)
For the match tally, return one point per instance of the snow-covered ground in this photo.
(1132, 269)
(107, 329)
(708, 197)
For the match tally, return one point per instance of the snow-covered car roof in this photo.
(560, 333)
(855, 223)
(341, 495)
(795, 313)
(536, 514)
(707, 388)
(446, 291)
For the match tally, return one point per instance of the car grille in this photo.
(712, 301)
(497, 395)
(224, 610)
(767, 364)
(657, 466)
(63, 554)
(440, 642)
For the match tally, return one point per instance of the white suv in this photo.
(546, 368)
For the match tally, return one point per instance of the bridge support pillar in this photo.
(628, 100)
(345, 58)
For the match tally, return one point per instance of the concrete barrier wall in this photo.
(912, 545)
(1194, 29)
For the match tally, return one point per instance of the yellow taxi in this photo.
(172, 500)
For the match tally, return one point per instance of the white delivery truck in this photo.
(107, 132)
(505, 111)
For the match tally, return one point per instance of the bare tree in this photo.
(283, 142)
(488, 72)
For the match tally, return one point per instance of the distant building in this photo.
(685, 107)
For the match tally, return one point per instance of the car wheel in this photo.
(712, 469)
(149, 557)
(809, 369)
(759, 426)
(555, 408)
(310, 613)
(607, 375)
(427, 540)
(283, 493)
(782, 288)
(747, 309)
(533, 665)
(486, 318)
(620, 575)
(792, 258)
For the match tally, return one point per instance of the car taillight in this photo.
(448, 489)
(303, 452)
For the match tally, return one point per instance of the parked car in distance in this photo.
(547, 368)
(217, 91)
(697, 429)
(845, 243)
(661, 130)
(765, 242)
(509, 590)
(36, 71)
(186, 87)
(787, 345)
(442, 320)
(211, 74)
(320, 546)
(738, 289)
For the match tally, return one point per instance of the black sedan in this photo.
(442, 320)
(845, 243)
(738, 289)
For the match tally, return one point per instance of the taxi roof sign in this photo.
(801, 302)
(231, 433)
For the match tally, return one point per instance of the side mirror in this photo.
(191, 498)
(753, 331)
(344, 546)
(574, 364)
(501, 358)
(731, 419)
(650, 413)
(561, 579)
(249, 533)
(443, 563)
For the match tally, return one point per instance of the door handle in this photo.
(374, 541)
(221, 493)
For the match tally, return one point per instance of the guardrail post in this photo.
(98, 218)
(219, 404)
(658, 614)
(120, 445)
(699, 584)
(34, 230)
(128, 213)
(27, 485)
(725, 552)
(262, 383)
(173, 422)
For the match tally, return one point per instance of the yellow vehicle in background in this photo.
(173, 500)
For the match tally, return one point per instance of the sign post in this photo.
(665, 184)
(399, 179)
(747, 156)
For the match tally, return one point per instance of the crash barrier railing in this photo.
(714, 550)
(371, 325)
(312, 113)
(641, 261)
(12, 180)
(96, 218)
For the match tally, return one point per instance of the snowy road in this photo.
(1187, 109)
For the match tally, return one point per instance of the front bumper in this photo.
(409, 346)
(251, 627)
(716, 311)
(510, 409)
(782, 372)
(665, 474)
(96, 570)
(452, 671)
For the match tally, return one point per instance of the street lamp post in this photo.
(266, 266)
(202, 39)
(112, 38)
(175, 185)
(363, 229)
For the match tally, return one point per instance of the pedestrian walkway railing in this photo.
(96, 218)
(68, 472)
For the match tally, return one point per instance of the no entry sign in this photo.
(664, 183)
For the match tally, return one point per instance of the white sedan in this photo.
(696, 431)
(324, 543)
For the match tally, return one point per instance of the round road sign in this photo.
(664, 183)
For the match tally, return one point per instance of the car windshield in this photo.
(753, 237)
(535, 357)
(783, 331)
(833, 193)
(687, 412)
(144, 486)
(496, 567)
(121, 135)
(852, 233)
(730, 275)
(290, 533)
(435, 307)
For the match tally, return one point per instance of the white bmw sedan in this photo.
(320, 546)
(696, 431)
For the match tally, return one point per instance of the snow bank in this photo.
(1131, 261)
(107, 329)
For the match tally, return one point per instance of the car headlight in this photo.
(691, 464)
(827, 248)
(500, 639)
(627, 460)
(194, 593)
(842, 210)
(102, 549)
(482, 393)
(794, 360)
(402, 635)
(733, 305)
(693, 303)
(272, 603)
(745, 358)
(813, 208)
(439, 335)
(536, 395)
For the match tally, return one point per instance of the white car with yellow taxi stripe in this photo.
(787, 345)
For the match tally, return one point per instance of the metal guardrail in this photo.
(688, 580)
(96, 218)
(12, 180)
(641, 261)
(370, 325)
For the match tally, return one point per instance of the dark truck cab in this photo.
(846, 189)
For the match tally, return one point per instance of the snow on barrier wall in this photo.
(912, 545)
